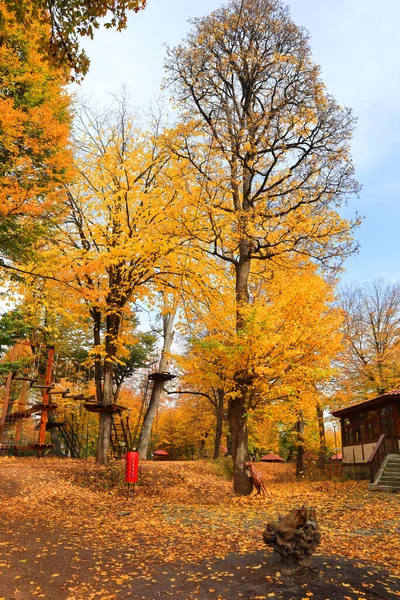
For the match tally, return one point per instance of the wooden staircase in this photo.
(385, 465)
(388, 479)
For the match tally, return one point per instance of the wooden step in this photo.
(384, 488)
(42, 387)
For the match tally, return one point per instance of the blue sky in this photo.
(354, 41)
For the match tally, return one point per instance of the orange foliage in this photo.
(34, 124)
(286, 346)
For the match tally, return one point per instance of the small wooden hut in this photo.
(369, 428)
(271, 458)
(160, 455)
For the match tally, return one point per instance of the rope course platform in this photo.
(161, 376)
(101, 407)
(39, 447)
(30, 418)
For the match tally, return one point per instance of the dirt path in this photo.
(60, 541)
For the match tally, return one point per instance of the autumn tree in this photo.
(192, 280)
(290, 336)
(68, 20)
(371, 350)
(203, 374)
(139, 352)
(184, 428)
(189, 282)
(193, 384)
(319, 407)
(13, 327)
(115, 243)
(287, 426)
(270, 149)
(216, 399)
(34, 130)
(40, 320)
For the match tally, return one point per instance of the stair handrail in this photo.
(387, 444)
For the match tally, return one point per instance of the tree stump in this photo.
(294, 537)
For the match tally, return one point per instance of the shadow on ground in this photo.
(255, 577)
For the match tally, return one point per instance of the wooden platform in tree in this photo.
(163, 376)
(40, 406)
(101, 407)
(39, 446)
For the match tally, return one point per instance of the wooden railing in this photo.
(387, 444)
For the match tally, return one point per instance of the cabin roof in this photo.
(367, 403)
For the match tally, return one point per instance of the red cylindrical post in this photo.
(131, 467)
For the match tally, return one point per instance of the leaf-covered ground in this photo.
(64, 535)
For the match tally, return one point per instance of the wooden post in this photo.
(21, 405)
(46, 395)
(300, 467)
(7, 391)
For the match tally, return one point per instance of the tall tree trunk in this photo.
(289, 457)
(322, 440)
(242, 274)
(300, 446)
(96, 315)
(202, 445)
(103, 441)
(229, 443)
(242, 484)
(158, 386)
(219, 410)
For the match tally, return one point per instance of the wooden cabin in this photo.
(370, 430)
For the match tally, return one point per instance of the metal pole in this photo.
(128, 491)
